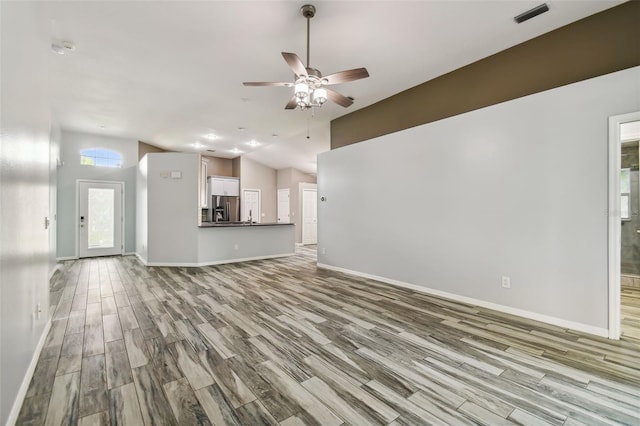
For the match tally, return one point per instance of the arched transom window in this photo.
(100, 157)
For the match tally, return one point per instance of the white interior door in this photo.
(100, 218)
(309, 216)
(251, 205)
(283, 206)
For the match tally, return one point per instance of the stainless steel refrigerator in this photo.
(224, 209)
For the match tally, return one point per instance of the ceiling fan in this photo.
(310, 85)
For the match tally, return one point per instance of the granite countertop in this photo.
(238, 224)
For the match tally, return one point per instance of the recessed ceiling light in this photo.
(197, 145)
(69, 45)
(253, 143)
(236, 151)
(63, 47)
(56, 48)
(241, 129)
(210, 136)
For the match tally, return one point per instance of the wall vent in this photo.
(531, 13)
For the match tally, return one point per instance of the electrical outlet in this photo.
(38, 311)
(324, 250)
(506, 282)
(235, 246)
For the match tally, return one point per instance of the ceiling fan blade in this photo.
(292, 104)
(295, 64)
(264, 83)
(344, 76)
(338, 98)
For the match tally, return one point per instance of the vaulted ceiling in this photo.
(169, 73)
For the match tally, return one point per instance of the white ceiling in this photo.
(169, 72)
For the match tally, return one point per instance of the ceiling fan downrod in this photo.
(308, 11)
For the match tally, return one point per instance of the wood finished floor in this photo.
(281, 342)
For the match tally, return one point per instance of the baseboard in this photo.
(214, 262)
(141, 259)
(24, 387)
(63, 258)
(53, 271)
(571, 325)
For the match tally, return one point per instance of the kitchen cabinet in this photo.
(225, 186)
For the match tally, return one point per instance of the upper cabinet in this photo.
(225, 186)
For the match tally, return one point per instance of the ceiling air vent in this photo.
(211, 150)
(531, 13)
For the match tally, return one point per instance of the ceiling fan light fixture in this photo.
(301, 90)
(303, 102)
(308, 89)
(319, 96)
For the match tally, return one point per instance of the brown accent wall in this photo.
(145, 148)
(218, 166)
(603, 43)
(255, 175)
(236, 167)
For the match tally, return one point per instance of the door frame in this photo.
(302, 235)
(614, 228)
(278, 204)
(77, 221)
(244, 213)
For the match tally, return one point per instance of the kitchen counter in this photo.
(240, 224)
(237, 242)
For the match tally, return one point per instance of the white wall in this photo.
(24, 199)
(172, 208)
(517, 189)
(235, 243)
(142, 210)
(71, 170)
(54, 158)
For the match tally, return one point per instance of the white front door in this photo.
(283, 206)
(100, 219)
(309, 216)
(251, 205)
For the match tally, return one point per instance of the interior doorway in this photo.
(309, 216)
(251, 205)
(621, 209)
(284, 215)
(100, 219)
